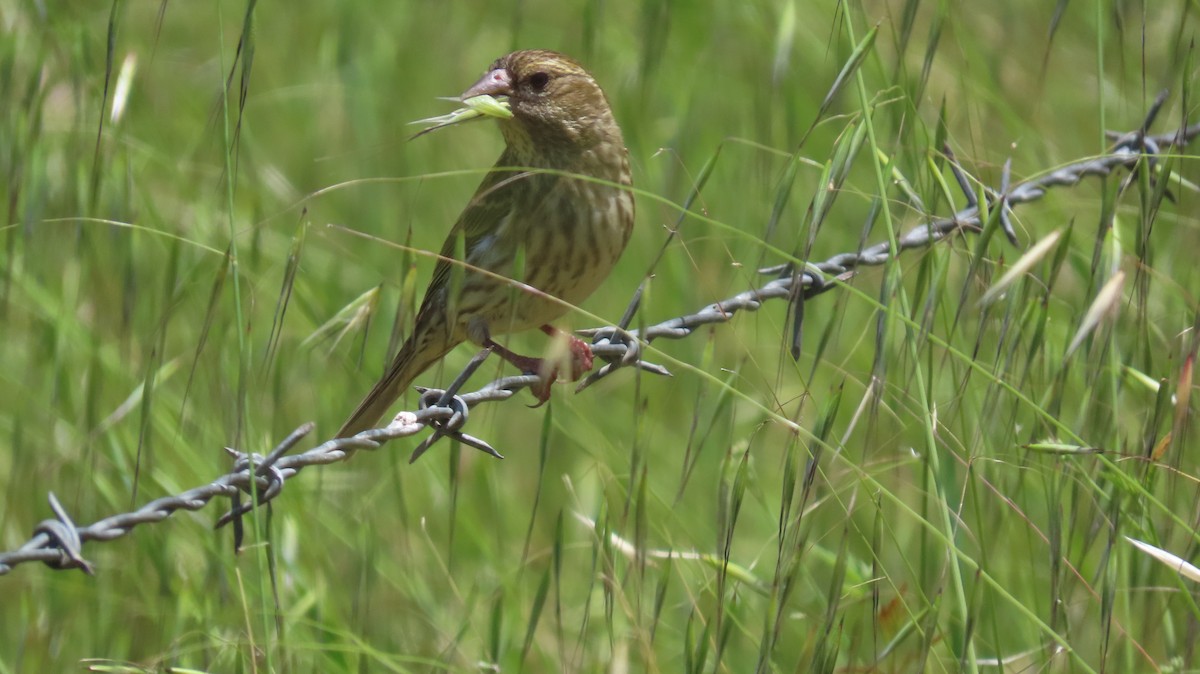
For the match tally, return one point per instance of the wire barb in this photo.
(65, 536)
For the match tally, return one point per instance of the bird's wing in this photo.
(494, 202)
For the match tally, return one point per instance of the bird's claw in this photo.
(541, 391)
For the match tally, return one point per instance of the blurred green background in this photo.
(916, 521)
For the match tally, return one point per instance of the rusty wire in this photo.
(57, 542)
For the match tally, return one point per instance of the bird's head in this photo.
(557, 106)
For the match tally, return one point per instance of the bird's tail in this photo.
(411, 361)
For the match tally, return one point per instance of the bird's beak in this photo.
(496, 83)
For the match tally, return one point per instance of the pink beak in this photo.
(496, 83)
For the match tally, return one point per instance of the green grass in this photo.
(906, 496)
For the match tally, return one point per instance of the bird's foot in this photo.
(549, 369)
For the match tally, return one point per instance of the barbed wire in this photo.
(622, 347)
(58, 542)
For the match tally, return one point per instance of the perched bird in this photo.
(542, 231)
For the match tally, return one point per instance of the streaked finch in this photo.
(557, 227)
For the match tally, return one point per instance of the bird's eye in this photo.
(539, 80)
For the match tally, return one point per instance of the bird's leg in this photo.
(526, 364)
(529, 365)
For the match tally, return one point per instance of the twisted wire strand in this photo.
(621, 347)
(58, 542)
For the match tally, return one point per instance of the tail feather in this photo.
(409, 363)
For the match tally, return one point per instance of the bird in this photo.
(542, 231)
